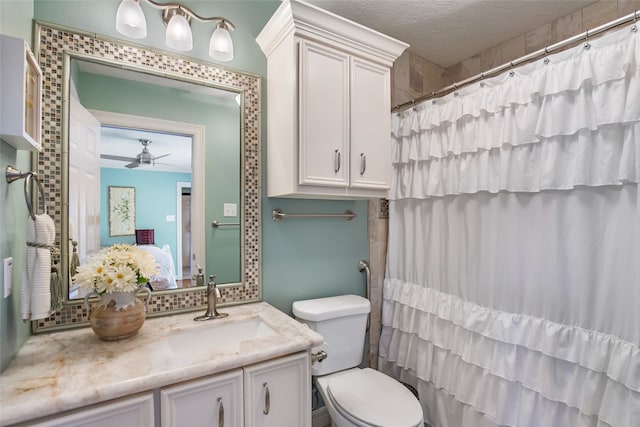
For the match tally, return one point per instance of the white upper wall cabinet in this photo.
(328, 105)
(20, 93)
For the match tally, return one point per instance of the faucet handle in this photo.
(212, 278)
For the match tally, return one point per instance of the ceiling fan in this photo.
(144, 158)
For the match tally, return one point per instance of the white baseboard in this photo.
(320, 418)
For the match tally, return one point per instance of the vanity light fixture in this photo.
(131, 22)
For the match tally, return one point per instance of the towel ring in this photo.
(30, 207)
(12, 174)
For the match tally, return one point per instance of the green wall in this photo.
(156, 194)
(303, 258)
(15, 20)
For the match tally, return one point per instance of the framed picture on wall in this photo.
(122, 211)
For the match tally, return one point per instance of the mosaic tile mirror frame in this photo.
(54, 44)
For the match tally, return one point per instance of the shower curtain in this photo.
(512, 291)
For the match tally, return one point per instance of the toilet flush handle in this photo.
(318, 357)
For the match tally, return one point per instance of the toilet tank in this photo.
(342, 322)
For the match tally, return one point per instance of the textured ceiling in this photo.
(447, 31)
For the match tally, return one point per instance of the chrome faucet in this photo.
(213, 293)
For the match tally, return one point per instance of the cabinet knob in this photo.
(336, 161)
(267, 399)
(220, 413)
(363, 163)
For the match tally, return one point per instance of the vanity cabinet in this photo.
(130, 411)
(329, 105)
(272, 393)
(277, 393)
(210, 402)
(21, 89)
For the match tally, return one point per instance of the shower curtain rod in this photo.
(632, 17)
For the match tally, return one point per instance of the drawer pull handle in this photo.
(220, 413)
(363, 163)
(267, 399)
(336, 165)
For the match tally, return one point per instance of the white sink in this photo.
(215, 335)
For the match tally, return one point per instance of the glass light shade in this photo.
(221, 45)
(178, 35)
(130, 19)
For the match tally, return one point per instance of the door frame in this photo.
(198, 185)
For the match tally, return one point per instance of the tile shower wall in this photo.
(589, 17)
(413, 76)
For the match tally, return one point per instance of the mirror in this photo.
(127, 133)
(76, 67)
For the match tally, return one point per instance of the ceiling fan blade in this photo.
(132, 165)
(121, 158)
(159, 157)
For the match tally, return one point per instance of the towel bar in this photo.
(277, 215)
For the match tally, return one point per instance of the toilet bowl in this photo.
(353, 396)
(368, 398)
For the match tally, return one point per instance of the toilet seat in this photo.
(370, 398)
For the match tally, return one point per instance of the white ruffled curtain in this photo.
(512, 292)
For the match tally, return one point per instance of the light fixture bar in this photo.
(190, 12)
(131, 22)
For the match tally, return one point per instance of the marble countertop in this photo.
(66, 370)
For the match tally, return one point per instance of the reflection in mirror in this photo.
(236, 181)
(172, 150)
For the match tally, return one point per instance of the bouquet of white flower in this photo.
(118, 268)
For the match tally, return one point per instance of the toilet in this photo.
(353, 396)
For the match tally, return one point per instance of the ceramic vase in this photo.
(117, 315)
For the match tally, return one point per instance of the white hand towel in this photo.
(35, 299)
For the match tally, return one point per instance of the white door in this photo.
(277, 393)
(84, 180)
(215, 401)
(323, 123)
(370, 127)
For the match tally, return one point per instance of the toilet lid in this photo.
(375, 399)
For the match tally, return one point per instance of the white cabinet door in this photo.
(323, 116)
(212, 402)
(370, 126)
(278, 393)
(131, 411)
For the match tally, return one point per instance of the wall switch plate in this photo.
(171, 218)
(230, 209)
(8, 276)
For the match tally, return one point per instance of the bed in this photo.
(166, 277)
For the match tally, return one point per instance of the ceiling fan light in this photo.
(221, 45)
(178, 35)
(130, 20)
